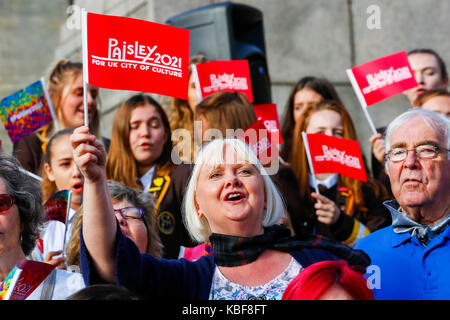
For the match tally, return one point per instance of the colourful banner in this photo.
(57, 206)
(335, 155)
(6, 284)
(226, 75)
(269, 115)
(26, 110)
(30, 276)
(130, 54)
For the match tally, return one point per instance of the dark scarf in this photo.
(231, 251)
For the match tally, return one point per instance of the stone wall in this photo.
(308, 37)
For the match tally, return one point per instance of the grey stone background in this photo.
(303, 37)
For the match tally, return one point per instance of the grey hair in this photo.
(27, 194)
(436, 121)
(212, 152)
(145, 201)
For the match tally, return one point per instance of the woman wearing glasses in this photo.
(21, 217)
(134, 212)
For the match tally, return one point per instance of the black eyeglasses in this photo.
(130, 213)
(6, 202)
(426, 151)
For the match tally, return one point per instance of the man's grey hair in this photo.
(436, 121)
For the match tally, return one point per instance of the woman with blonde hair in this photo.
(65, 86)
(231, 113)
(346, 209)
(230, 200)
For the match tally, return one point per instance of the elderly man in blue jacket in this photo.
(411, 258)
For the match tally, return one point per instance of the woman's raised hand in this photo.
(89, 154)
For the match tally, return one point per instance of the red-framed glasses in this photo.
(6, 202)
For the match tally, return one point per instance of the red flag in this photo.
(269, 115)
(226, 75)
(336, 155)
(131, 54)
(261, 142)
(382, 78)
(30, 275)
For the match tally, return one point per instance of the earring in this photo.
(200, 214)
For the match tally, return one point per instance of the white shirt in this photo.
(53, 238)
(328, 182)
(146, 179)
(66, 284)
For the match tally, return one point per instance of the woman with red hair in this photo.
(346, 209)
(328, 280)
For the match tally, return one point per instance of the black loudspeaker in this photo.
(230, 31)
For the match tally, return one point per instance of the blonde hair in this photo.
(212, 153)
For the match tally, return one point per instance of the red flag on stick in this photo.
(226, 75)
(268, 114)
(380, 79)
(130, 54)
(261, 141)
(335, 155)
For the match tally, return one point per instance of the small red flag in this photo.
(336, 155)
(382, 78)
(268, 114)
(131, 54)
(225, 75)
(261, 141)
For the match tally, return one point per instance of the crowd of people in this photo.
(134, 211)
